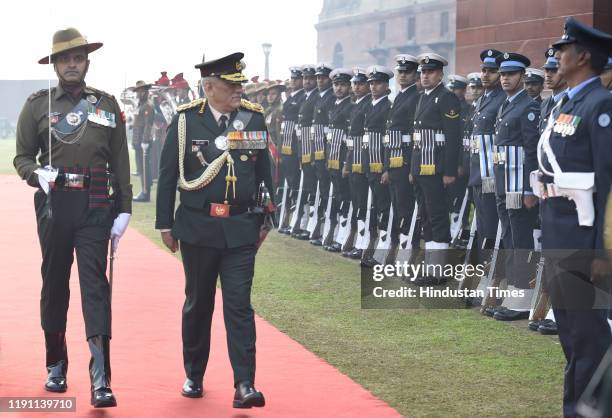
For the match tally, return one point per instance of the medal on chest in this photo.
(566, 125)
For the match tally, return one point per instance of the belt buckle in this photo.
(219, 210)
(74, 181)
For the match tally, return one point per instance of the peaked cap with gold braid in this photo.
(228, 68)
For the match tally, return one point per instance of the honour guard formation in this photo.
(377, 164)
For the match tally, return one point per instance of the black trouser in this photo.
(381, 202)
(403, 199)
(517, 238)
(144, 157)
(486, 214)
(290, 171)
(322, 175)
(433, 208)
(72, 227)
(359, 197)
(341, 193)
(235, 267)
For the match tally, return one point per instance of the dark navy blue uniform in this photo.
(319, 130)
(481, 163)
(290, 165)
(357, 159)
(339, 118)
(516, 139)
(305, 115)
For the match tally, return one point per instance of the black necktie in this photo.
(223, 123)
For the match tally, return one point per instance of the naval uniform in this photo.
(339, 116)
(215, 241)
(290, 165)
(305, 116)
(319, 131)
(398, 154)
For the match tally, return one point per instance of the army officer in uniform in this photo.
(216, 152)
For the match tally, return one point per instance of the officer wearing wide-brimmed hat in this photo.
(216, 153)
(357, 159)
(573, 182)
(142, 138)
(398, 149)
(375, 127)
(435, 156)
(534, 83)
(274, 117)
(290, 164)
(86, 131)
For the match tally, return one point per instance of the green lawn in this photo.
(451, 363)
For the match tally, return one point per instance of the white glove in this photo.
(46, 175)
(119, 226)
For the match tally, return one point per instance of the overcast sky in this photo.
(143, 38)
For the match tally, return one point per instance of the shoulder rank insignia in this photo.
(452, 114)
(254, 107)
(39, 93)
(192, 104)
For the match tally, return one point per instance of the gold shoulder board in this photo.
(254, 107)
(190, 105)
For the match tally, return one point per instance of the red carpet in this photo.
(146, 346)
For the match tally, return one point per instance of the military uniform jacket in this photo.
(291, 110)
(375, 125)
(320, 122)
(356, 157)
(339, 118)
(305, 117)
(103, 143)
(467, 113)
(274, 117)
(437, 133)
(545, 108)
(192, 222)
(400, 124)
(483, 129)
(587, 149)
(143, 124)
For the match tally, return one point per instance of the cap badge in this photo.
(426, 60)
(490, 53)
(506, 56)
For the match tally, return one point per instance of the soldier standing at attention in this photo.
(577, 143)
(142, 138)
(534, 83)
(86, 132)
(216, 153)
(435, 156)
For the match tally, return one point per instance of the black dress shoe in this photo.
(56, 377)
(335, 247)
(534, 324)
(142, 197)
(510, 315)
(286, 230)
(355, 254)
(302, 235)
(192, 389)
(247, 397)
(548, 327)
(369, 262)
(316, 242)
(491, 310)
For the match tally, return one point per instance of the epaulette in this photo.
(93, 90)
(254, 107)
(190, 105)
(39, 93)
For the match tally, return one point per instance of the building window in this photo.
(410, 27)
(444, 24)
(338, 60)
(382, 32)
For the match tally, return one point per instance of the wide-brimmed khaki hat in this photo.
(140, 84)
(66, 40)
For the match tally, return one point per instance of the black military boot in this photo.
(247, 396)
(57, 361)
(142, 197)
(100, 372)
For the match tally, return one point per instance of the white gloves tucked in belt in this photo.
(119, 226)
(46, 175)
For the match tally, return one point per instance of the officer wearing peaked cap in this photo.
(435, 156)
(534, 83)
(482, 150)
(319, 131)
(339, 115)
(574, 184)
(552, 81)
(305, 116)
(398, 149)
(516, 136)
(357, 158)
(290, 164)
(216, 153)
(606, 76)
(374, 130)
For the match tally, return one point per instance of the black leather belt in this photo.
(234, 210)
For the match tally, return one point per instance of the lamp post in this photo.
(266, 49)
